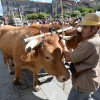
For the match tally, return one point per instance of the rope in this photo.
(63, 34)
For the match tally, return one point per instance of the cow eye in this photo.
(47, 57)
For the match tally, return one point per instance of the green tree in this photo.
(90, 10)
(42, 15)
(57, 16)
(32, 16)
(16, 16)
(10, 15)
(29, 16)
(75, 13)
(84, 10)
(83, 14)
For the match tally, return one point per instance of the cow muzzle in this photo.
(63, 78)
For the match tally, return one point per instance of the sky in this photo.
(1, 11)
(49, 1)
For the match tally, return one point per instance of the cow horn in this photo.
(68, 37)
(33, 43)
(34, 37)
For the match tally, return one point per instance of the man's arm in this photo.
(65, 50)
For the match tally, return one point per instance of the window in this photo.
(12, 3)
(6, 2)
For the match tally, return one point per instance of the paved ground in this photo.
(51, 89)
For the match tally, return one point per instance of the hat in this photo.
(91, 19)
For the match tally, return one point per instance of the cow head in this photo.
(76, 39)
(49, 56)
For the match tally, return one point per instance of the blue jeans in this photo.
(96, 94)
(76, 95)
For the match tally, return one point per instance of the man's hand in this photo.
(65, 50)
(62, 43)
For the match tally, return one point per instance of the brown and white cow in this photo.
(73, 43)
(47, 56)
(44, 28)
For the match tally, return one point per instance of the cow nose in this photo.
(64, 78)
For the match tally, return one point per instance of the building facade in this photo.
(25, 6)
(54, 8)
(70, 5)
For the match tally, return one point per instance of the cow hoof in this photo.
(37, 88)
(16, 82)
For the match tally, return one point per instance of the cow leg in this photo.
(35, 83)
(6, 60)
(11, 63)
(35, 75)
(9, 66)
(17, 74)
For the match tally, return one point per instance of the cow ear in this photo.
(29, 56)
(34, 44)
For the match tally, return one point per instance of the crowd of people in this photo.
(66, 21)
